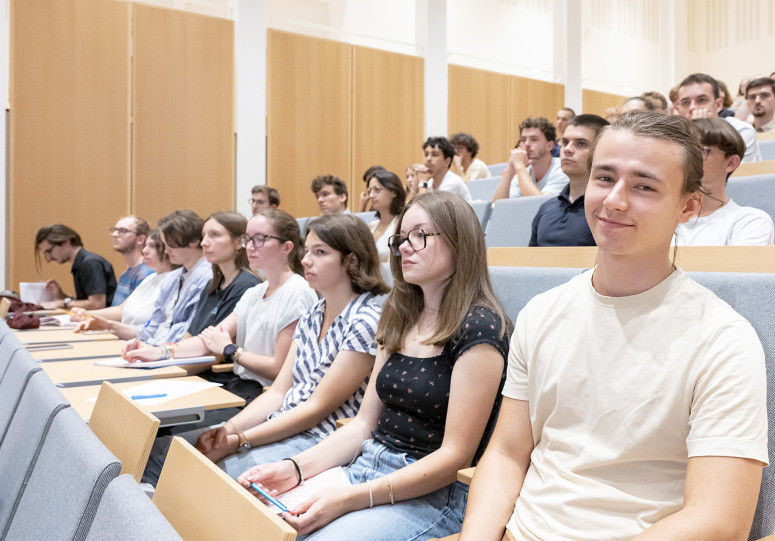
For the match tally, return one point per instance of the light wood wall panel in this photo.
(531, 97)
(183, 109)
(480, 104)
(387, 114)
(309, 116)
(596, 103)
(69, 128)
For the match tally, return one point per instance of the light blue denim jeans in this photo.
(437, 514)
(236, 464)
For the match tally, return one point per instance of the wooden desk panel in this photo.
(210, 399)
(81, 350)
(85, 372)
(38, 336)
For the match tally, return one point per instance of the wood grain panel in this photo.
(480, 104)
(183, 109)
(309, 117)
(69, 127)
(596, 103)
(530, 97)
(387, 113)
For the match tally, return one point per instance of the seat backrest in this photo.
(758, 192)
(483, 209)
(515, 286)
(753, 297)
(9, 344)
(202, 502)
(126, 429)
(61, 497)
(367, 217)
(767, 148)
(125, 513)
(511, 221)
(497, 168)
(302, 224)
(483, 189)
(23, 439)
(19, 369)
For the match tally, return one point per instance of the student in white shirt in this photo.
(138, 307)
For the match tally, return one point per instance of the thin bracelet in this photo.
(390, 490)
(371, 497)
(162, 353)
(172, 348)
(298, 470)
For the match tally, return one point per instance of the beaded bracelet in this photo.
(390, 490)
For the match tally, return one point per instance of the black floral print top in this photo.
(415, 391)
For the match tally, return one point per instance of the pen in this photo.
(138, 336)
(261, 491)
(142, 396)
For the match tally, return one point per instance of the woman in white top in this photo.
(387, 196)
(138, 307)
(264, 319)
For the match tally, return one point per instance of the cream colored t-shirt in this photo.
(622, 391)
(260, 320)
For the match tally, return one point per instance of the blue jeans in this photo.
(236, 464)
(437, 514)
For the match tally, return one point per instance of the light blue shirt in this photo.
(182, 288)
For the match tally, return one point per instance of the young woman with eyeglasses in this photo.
(387, 196)
(323, 376)
(432, 397)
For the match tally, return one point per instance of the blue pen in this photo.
(137, 337)
(261, 491)
(143, 396)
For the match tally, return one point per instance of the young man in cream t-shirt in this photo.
(634, 406)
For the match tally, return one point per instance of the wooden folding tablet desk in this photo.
(38, 336)
(209, 399)
(85, 372)
(99, 349)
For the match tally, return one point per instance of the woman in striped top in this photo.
(323, 377)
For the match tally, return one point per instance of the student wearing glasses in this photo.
(93, 276)
(432, 397)
(128, 238)
(262, 198)
(138, 307)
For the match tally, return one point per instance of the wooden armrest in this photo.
(465, 475)
(218, 368)
(341, 422)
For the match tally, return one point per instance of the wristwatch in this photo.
(67, 301)
(423, 185)
(244, 444)
(228, 353)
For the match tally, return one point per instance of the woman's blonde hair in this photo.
(468, 286)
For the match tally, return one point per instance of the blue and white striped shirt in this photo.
(352, 330)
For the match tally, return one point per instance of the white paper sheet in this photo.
(334, 477)
(170, 387)
(34, 292)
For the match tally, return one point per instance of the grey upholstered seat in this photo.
(126, 513)
(483, 189)
(756, 191)
(511, 220)
(18, 369)
(61, 495)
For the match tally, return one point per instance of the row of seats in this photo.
(54, 471)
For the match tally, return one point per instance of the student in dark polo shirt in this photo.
(93, 276)
(561, 220)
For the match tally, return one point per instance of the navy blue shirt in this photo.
(559, 222)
